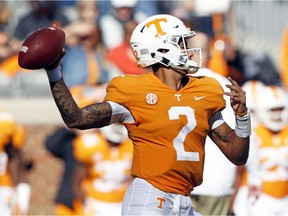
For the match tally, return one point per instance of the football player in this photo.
(102, 174)
(168, 116)
(271, 136)
(247, 191)
(14, 188)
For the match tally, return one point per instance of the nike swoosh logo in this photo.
(199, 98)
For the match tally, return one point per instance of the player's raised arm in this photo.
(44, 48)
(235, 143)
(91, 116)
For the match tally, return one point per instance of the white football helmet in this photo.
(272, 108)
(115, 133)
(164, 39)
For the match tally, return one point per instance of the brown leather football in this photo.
(41, 48)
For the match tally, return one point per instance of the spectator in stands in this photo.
(206, 198)
(149, 8)
(121, 56)
(102, 174)
(14, 187)
(8, 57)
(112, 24)
(59, 144)
(43, 14)
(87, 12)
(86, 52)
(5, 49)
(5, 14)
(69, 9)
(227, 59)
(85, 63)
(242, 66)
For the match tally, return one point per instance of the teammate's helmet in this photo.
(115, 133)
(164, 39)
(272, 108)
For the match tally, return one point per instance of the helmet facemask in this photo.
(275, 118)
(184, 61)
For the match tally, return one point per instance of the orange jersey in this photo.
(12, 133)
(273, 153)
(109, 167)
(170, 129)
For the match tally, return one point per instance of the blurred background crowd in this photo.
(246, 40)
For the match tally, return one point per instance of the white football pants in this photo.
(6, 200)
(142, 198)
(94, 207)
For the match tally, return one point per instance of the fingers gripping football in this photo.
(57, 61)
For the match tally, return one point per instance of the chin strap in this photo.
(161, 59)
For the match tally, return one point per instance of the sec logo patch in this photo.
(151, 99)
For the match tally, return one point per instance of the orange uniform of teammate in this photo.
(14, 191)
(178, 133)
(103, 172)
(273, 152)
(271, 156)
(10, 133)
(273, 160)
(103, 162)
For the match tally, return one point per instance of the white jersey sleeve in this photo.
(120, 114)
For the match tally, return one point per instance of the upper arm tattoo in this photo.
(91, 116)
(223, 133)
(97, 115)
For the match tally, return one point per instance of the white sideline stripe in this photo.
(32, 111)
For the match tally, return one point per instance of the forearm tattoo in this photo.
(225, 137)
(91, 116)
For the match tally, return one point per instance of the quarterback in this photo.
(168, 116)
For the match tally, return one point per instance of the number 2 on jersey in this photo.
(178, 143)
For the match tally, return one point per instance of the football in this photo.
(41, 48)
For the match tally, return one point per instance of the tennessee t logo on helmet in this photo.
(156, 22)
